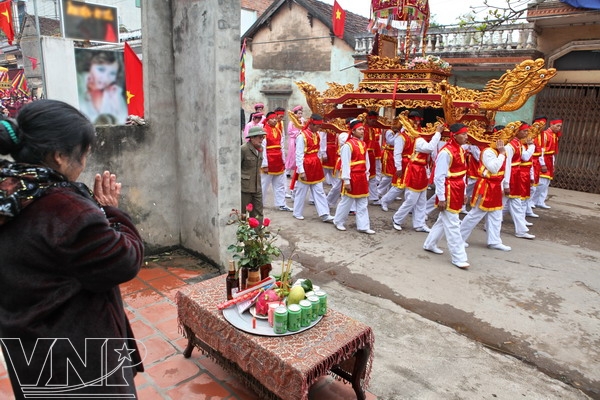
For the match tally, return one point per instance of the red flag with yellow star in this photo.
(6, 21)
(339, 20)
(134, 82)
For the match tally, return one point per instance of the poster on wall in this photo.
(100, 86)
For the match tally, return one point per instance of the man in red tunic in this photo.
(416, 181)
(516, 181)
(487, 197)
(404, 146)
(549, 145)
(273, 164)
(449, 178)
(310, 170)
(355, 190)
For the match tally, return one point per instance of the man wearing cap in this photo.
(404, 146)
(416, 182)
(449, 178)
(251, 157)
(273, 167)
(310, 170)
(549, 144)
(516, 181)
(487, 197)
(355, 189)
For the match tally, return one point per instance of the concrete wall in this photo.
(206, 78)
(180, 172)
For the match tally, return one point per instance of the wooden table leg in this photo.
(360, 367)
(191, 338)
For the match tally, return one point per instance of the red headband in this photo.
(556, 121)
(279, 112)
(524, 127)
(316, 121)
(359, 125)
(372, 116)
(464, 129)
(271, 116)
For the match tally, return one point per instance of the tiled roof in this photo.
(355, 24)
(48, 26)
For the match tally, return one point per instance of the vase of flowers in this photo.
(254, 248)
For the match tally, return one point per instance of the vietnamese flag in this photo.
(134, 82)
(6, 21)
(339, 20)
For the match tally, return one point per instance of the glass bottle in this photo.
(231, 281)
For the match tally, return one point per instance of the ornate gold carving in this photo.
(377, 62)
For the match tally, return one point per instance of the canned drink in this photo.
(322, 301)
(306, 312)
(280, 319)
(294, 318)
(316, 306)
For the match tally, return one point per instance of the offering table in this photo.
(276, 366)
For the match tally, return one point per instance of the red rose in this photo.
(266, 221)
(253, 222)
(249, 207)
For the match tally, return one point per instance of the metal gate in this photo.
(578, 159)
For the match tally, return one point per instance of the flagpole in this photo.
(42, 64)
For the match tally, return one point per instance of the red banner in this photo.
(339, 20)
(6, 21)
(134, 82)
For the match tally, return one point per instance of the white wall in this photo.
(60, 74)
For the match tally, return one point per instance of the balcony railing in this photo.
(446, 40)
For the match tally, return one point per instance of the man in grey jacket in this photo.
(251, 158)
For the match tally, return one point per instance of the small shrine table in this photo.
(276, 366)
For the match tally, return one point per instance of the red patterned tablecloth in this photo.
(285, 365)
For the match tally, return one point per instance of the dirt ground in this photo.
(506, 291)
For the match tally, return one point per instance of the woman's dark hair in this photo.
(44, 127)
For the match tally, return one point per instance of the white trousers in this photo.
(373, 189)
(318, 195)
(415, 202)
(384, 185)
(529, 203)
(391, 195)
(430, 205)
(448, 224)
(278, 182)
(541, 192)
(329, 179)
(334, 193)
(516, 209)
(362, 212)
(493, 224)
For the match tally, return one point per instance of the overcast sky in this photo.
(444, 12)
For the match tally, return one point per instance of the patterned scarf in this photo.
(21, 184)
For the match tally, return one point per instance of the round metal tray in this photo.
(244, 322)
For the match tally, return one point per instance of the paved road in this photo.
(524, 323)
